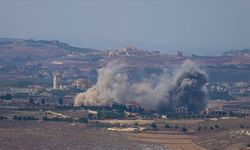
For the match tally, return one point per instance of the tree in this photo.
(184, 129)
(3, 118)
(43, 101)
(60, 101)
(199, 128)
(2, 97)
(242, 126)
(167, 126)
(154, 126)
(83, 120)
(31, 101)
(90, 116)
(8, 96)
(14, 117)
(216, 126)
(45, 118)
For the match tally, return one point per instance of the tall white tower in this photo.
(56, 81)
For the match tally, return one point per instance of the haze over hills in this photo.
(56, 55)
(41, 48)
(117, 75)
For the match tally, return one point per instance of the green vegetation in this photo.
(31, 100)
(184, 129)
(60, 101)
(3, 118)
(83, 120)
(154, 126)
(110, 114)
(7, 96)
(199, 128)
(167, 126)
(242, 126)
(24, 118)
(216, 126)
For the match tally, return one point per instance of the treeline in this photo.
(67, 119)
(24, 118)
(7, 96)
(3, 118)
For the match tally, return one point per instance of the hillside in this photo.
(37, 49)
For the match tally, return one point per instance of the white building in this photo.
(56, 81)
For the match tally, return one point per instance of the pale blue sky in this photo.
(202, 27)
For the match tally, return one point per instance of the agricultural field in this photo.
(62, 136)
(175, 141)
(229, 133)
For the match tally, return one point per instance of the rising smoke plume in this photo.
(185, 88)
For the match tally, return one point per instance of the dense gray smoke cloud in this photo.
(188, 89)
(185, 88)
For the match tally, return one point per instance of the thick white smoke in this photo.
(113, 86)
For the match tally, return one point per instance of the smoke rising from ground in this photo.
(185, 88)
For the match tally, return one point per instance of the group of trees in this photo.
(167, 126)
(110, 115)
(183, 129)
(24, 118)
(7, 96)
(216, 126)
(43, 101)
(3, 118)
(60, 119)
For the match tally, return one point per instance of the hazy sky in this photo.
(202, 27)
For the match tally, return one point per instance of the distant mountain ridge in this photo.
(35, 43)
(38, 48)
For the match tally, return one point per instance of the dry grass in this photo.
(182, 121)
(170, 140)
(125, 122)
(62, 136)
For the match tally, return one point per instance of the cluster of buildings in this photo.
(245, 52)
(131, 51)
(228, 90)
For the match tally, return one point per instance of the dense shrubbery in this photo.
(25, 118)
(216, 126)
(3, 118)
(6, 97)
(167, 126)
(199, 128)
(83, 120)
(70, 120)
(110, 115)
(154, 126)
(242, 126)
(184, 129)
